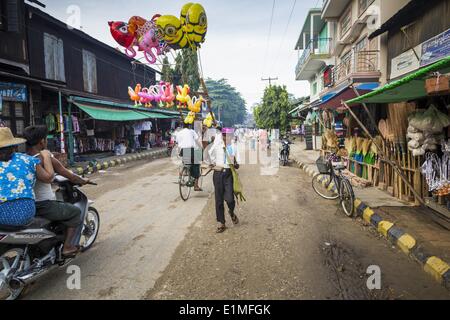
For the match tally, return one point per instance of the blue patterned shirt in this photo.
(17, 177)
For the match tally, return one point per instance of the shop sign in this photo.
(405, 63)
(436, 48)
(13, 92)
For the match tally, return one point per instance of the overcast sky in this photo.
(236, 43)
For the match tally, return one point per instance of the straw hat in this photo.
(7, 139)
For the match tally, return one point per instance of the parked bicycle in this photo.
(331, 184)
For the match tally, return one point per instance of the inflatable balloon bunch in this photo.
(157, 36)
(140, 33)
(209, 120)
(161, 94)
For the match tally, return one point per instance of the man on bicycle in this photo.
(188, 141)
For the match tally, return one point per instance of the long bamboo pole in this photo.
(393, 164)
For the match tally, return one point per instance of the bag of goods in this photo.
(431, 120)
(414, 144)
(418, 152)
(411, 129)
(419, 137)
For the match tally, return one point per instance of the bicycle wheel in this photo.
(321, 184)
(184, 183)
(347, 198)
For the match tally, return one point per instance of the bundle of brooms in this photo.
(398, 119)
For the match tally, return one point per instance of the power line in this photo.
(268, 37)
(277, 57)
(270, 80)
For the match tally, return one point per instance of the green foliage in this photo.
(185, 70)
(228, 101)
(273, 111)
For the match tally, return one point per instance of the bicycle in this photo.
(331, 184)
(186, 180)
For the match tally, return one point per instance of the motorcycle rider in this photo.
(46, 204)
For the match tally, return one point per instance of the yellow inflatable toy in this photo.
(184, 12)
(208, 120)
(196, 24)
(183, 95)
(195, 104)
(170, 29)
(190, 118)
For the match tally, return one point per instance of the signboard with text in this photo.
(13, 92)
(436, 48)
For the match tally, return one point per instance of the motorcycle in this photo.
(29, 252)
(285, 151)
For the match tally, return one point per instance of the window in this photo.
(346, 21)
(89, 72)
(361, 45)
(363, 5)
(54, 58)
(13, 116)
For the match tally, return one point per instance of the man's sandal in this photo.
(221, 228)
(235, 219)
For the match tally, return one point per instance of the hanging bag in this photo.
(238, 188)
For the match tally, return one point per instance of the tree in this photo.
(227, 102)
(185, 70)
(273, 111)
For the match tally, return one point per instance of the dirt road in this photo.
(290, 244)
(143, 220)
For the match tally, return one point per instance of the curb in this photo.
(104, 165)
(434, 266)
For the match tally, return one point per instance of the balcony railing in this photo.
(356, 62)
(316, 46)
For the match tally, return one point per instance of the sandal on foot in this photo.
(235, 219)
(71, 254)
(221, 228)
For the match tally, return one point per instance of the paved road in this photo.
(143, 220)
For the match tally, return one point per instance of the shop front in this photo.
(98, 129)
(411, 142)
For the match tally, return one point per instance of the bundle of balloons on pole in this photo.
(160, 34)
(157, 37)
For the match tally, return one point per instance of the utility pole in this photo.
(270, 80)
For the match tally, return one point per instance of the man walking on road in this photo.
(223, 177)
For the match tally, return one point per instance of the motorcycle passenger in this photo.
(46, 204)
(17, 178)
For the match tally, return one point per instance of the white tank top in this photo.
(43, 191)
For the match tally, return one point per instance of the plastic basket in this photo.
(322, 165)
(191, 156)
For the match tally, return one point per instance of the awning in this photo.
(408, 88)
(333, 100)
(116, 114)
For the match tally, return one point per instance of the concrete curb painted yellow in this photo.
(434, 266)
(104, 165)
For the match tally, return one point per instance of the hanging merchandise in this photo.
(425, 130)
(195, 104)
(50, 122)
(436, 172)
